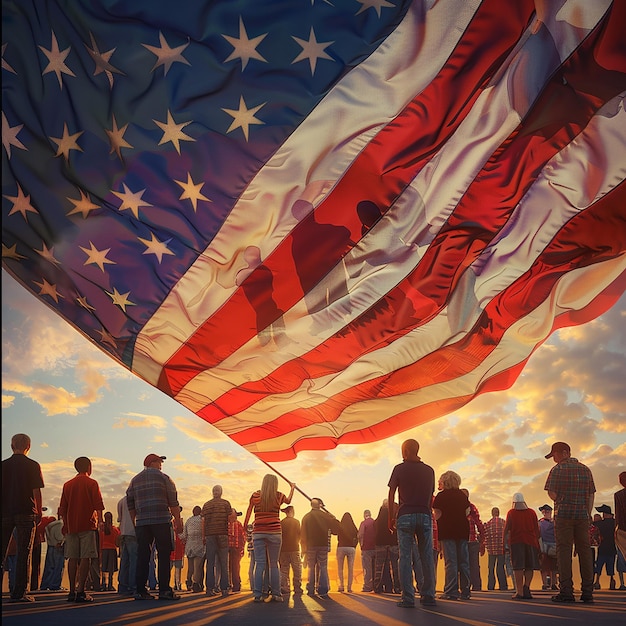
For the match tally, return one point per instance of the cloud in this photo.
(7, 400)
(140, 420)
(53, 399)
(199, 430)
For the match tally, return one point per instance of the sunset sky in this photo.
(73, 400)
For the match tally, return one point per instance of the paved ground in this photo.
(484, 609)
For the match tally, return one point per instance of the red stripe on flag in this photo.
(504, 180)
(593, 236)
(432, 410)
(420, 415)
(379, 174)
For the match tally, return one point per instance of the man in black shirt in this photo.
(22, 482)
(415, 483)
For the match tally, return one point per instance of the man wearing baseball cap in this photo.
(570, 484)
(152, 502)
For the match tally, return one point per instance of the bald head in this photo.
(315, 503)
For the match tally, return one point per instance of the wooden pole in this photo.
(290, 482)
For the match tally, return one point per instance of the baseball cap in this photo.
(604, 508)
(559, 446)
(287, 509)
(545, 507)
(151, 458)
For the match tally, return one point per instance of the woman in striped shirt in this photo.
(267, 534)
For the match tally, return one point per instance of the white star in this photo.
(156, 247)
(243, 117)
(120, 299)
(116, 138)
(47, 254)
(84, 205)
(165, 55)
(48, 289)
(67, 143)
(191, 191)
(5, 65)
(173, 132)
(21, 203)
(11, 253)
(101, 59)
(97, 257)
(374, 4)
(56, 60)
(131, 200)
(82, 301)
(312, 50)
(9, 136)
(244, 48)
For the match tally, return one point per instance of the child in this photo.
(176, 560)
(109, 542)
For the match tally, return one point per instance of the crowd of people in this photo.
(422, 520)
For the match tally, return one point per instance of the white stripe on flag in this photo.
(571, 181)
(320, 149)
(525, 333)
(550, 203)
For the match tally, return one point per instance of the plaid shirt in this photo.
(494, 535)
(573, 485)
(150, 494)
(236, 535)
(477, 529)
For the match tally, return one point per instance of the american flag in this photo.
(316, 222)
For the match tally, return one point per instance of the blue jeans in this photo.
(24, 526)
(53, 568)
(474, 563)
(345, 553)
(367, 563)
(456, 567)
(317, 557)
(418, 571)
(128, 564)
(496, 562)
(217, 546)
(266, 552)
(409, 527)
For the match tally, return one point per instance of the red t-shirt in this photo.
(107, 542)
(80, 500)
(523, 526)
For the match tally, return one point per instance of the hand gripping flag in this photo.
(316, 222)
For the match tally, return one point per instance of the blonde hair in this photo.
(450, 480)
(269, 489)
